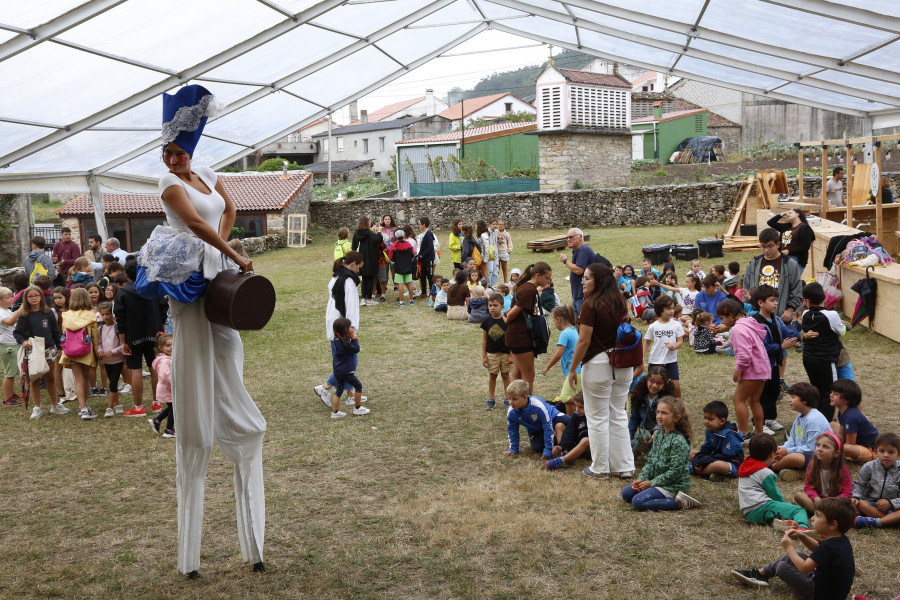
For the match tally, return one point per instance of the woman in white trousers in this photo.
(211, 402)
(605, 388)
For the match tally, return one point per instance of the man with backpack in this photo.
(38, 262)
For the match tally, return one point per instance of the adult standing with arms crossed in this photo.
(426, 256)
(605, 387)
(210, 400)
(65, 251)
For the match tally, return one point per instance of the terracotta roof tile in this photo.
(668, 116)
(644, 77)
(254, 192)
(386, 111)
(487, 132)
(454, 113)
(594, 78)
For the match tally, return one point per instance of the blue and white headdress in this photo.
(185, 114)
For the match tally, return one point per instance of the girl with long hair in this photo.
(518, 333)
(454, 243)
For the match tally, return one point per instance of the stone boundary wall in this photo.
(610, 207)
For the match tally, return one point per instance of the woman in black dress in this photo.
(367, 243)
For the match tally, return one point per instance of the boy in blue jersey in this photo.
(539, 419)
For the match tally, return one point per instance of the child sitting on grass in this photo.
(826, 476)
(440, 299)
(876, 491)
(644, 399)
(640, 300)
(826, 573)
(574, 442)
(458, 297)
(711, 296)
(432, 292)
(695, 269)
(494, 353)
(540, 420)
(722, 452)
(564, 320)
(792, 459)
(664, 481)
(647, 268)
(478, 305)
(732, 280)
(758, 495)
(507, 297)
(705, 341)
(851, 425)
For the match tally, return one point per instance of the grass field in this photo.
(412, 501)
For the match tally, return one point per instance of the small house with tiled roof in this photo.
(717, 125)
(503, 146)
(663, 131)
(427, 106)
(262, 200)
(491, 108)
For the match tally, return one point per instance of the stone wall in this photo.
(731, 140)
(258, 245)
(592, 160)
(276, 221)
(611, 207)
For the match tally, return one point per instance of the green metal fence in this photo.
(471, 188)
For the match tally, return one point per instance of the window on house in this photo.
(325, 145)
(252, 225)
(340, 144)
(698, 123)
(354, 143)
(508, 106)
(365, 146)
(645, 89)
(381, 144)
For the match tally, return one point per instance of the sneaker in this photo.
(790, 475)
(136, 411)
(103, 391)
(626, 474)
(589, 473)
(154, 424)
(59, 409)
(36, 413)
(351, 402)
(109, 413)
(63, 399)
(747, 438)
(506, 402)
(145, 373)
(411, 301)
(719, 477)
(324, 395)
(119, 409)
(87, 414)
(382, 299)
(767, 430)
(156, 407)
(125, 389)
(363, 302)
(784, 524)
(13, 400)
(556, 463)
(398, 303)
(866, 522)
(360, 411)
(338, 414)
(686, 501)
(751, 577)
(491, 404)
(95, 392)
(169, 433)
(774, 425)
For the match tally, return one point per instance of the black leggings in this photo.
(425, 276)
(168, 414)
(821, 374)
(367, 283)
(769, 397)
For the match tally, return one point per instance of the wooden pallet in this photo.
(737, 243)
(549, 244)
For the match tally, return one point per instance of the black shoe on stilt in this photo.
(193, 575)
(259, 567)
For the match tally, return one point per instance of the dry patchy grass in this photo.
(413, 501)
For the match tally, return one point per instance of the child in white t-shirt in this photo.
(664, 337)
(9, 348)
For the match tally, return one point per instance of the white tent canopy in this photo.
(83, 79)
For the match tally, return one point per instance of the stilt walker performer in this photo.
(210, 400)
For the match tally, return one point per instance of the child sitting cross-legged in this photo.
(827, 475)
(826, 573)
(433, 291)
(478, 305)
(851, 425)
(664, 481)
(792, 459)
(705, 341)
(758, 495)
(722, 452)
(540, 420)
(876, 491)
(644, 399)
(440, 298)
(574, 442)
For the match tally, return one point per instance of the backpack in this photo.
(77, 343)
(628, 351)
(476, 255)
(639, 301)
(36, 272)
(341, 247)
(492, 252)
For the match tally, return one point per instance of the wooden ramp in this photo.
(549, 244)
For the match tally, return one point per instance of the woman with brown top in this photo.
(518, 334)
(605, 388)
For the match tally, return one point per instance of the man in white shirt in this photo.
(113, 247)
(834, 187)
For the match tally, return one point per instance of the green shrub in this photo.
(660, 172)
(277, 164)
(643, 164)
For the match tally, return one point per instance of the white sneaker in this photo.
(686, 501)
(774, 425)
(324, 395)
(351, 402)
(119, 409)
(125, 389)
(362, 410)
(145, 373)
(766, 429)
(59, 409)
(338, 414)
(87, 414)
(363, 302)
(36, 413)
(109, 413)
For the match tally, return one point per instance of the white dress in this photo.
(211, 402)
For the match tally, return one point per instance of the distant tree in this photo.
(522, 116)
